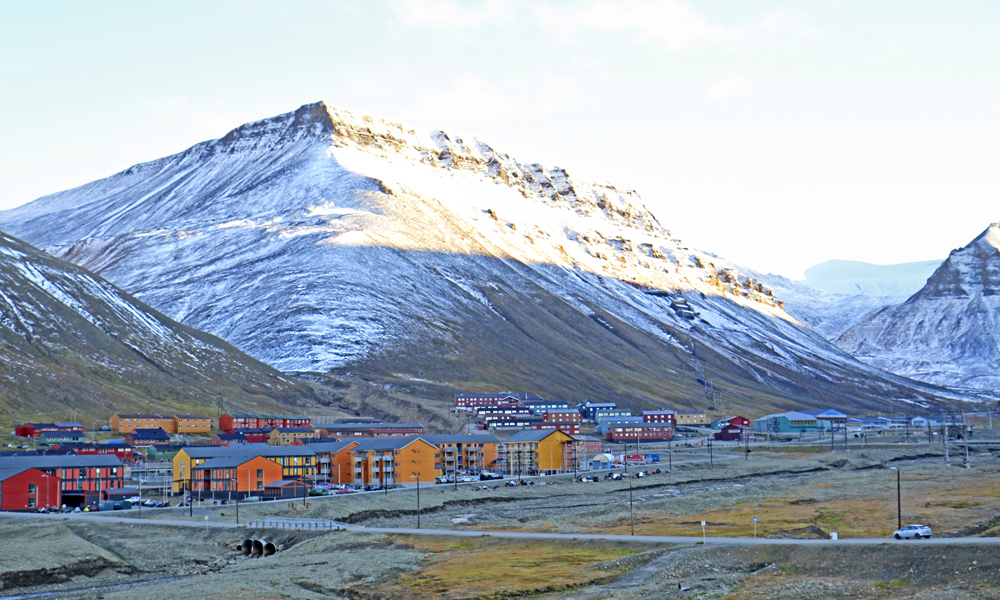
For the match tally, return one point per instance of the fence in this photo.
(297, 524)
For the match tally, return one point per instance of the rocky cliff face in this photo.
(324, 240)
(71, 341)
(946, 333)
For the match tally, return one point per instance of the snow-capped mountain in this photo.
(947, 333)
(71, 341)
(325, 240)
(838, 294)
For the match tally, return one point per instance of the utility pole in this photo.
(631, 505)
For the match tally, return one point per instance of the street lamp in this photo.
(899, 510)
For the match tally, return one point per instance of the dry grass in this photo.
(484, 568)
(946, 499)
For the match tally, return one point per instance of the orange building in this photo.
(170, 423)
(395, 461)
(192, 423)
(227, 476)
(334, 461)
(473, 453)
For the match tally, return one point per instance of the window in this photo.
(32, 488)
(260, 473)
(31, 503)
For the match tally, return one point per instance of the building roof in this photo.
(193, 417)
(664, 411)
(7, 473)
(386, 443)
(368, 426)
(285, 483)
(294, 429)
(824, 412)
(791, 416)
(264, 450)
(532, 435)
(144, 416)
(691, 412)
(68, 425)
(460, 439)
(599, 405)
(150, 434)
(231, 436)
(60, 461)
(227, 462)
(329, 446)
(260, 416)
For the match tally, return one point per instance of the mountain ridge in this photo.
(348, 247)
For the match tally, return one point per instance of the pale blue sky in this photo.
(776, 134)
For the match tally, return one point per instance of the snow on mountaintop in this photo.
(70, 337)
(947, 333)
(323, 238)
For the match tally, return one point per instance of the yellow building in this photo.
(283, 436)
(698, 417)
(533, 452)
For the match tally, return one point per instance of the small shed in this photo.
(287, 489)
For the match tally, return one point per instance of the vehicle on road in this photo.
(915, 531)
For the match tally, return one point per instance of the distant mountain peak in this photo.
(972, 270)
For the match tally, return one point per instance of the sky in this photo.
(777, 134)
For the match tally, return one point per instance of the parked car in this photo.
(914, 531)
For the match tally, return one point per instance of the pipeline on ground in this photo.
(257, 548)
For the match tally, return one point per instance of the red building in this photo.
(121, 451)
(659, 416)
(741, 421)
(228, 423)
(471, 401)
(567, 428)
(644, 432)
(82, 479)
(731, 433)
(255, 436)
(563, 416)
(27, 488)
(37, 429)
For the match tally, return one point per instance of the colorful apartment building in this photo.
(641, 432)
(334, 461)
(82, 479)
(284, 436)
(295, 461)
(395, 461)
(37, 429)
(228, 423)
(473, 453)
(234, 476)
(536, 452)
(127, 423)
(692, 417)
(663, 416)
(27, 488)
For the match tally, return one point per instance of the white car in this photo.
(913, 531)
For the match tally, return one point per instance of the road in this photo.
(641, 539)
